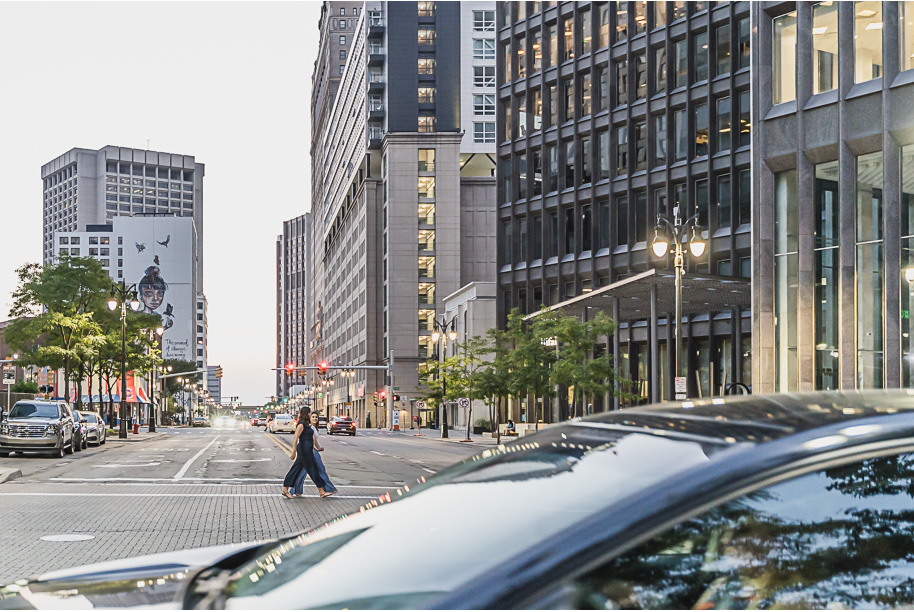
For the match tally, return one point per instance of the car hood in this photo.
(32, 421)
(148, 581)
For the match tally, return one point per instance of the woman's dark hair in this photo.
(304, 415)
(152, 279)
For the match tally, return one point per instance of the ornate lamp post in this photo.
(449, 329)
(122, 294)
(678, 230)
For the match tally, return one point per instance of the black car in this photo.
(799, 501)
(341, 424)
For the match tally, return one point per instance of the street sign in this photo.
(396, 421)
(396, 388)
(420, 405)
(680, 385)
(463, 402)
(9, 376)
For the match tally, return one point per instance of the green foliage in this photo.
(484, 424)
(25, 386)
(172, 385)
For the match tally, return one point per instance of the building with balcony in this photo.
(833, 153)
(610, 114)
(293, 296)
(402, 204)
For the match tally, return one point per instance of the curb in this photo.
(7, 474)
(132, 438)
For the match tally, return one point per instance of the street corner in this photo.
(8, 473)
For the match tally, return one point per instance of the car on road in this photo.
(95, 428)
(321, 421)
(38, 426)
(200, 421)
(341, 424)
(80, 432)
(784, 501)
(282, 423)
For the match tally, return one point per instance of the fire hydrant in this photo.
(136, 428)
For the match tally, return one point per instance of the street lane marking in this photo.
(174, 495)
(240, 460)
(377, 453)
(428, 470)
(187, 465)
(222, 482)
(280, 443)
(128, 465)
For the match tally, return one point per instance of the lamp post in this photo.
(122, 294)
(678, 230)
(9, 387)
(153, 412)
(449, 329)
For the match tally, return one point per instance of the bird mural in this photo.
(156, 260)
(165, 242)
(140, 247)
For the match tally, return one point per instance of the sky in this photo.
(226, 82)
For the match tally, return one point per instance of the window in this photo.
(826, 198)
(586, 228)
(568, 91)
(427, 96)
(603, 16)
(742, 551)
(659, 14)
(680, 134)
(621, 150)
(724, 124)
(569, 164)
(522, 176)
(660, 68)
(701, 130)
(639, 217)
(342, 40)
(621, 82)
(522, 115)
(342, 69)
(427, 159)
(621, 21)
(586, 32)
(426, 187)
(553, 44)
(586, 175)
(426, 124)
(483, 21)
(786, 275)
(585, 94)
(906, 29)
(701, 56)
(569, 231)
(603, 154)
(870, 271)
(867, 41)
(621, 221)
(342, 24)
(660, 140)
(484, 49)
(426, 9)
(536, 50)
(521, 48)
(785, 58)
(484, 132)
(724, 199)
(680, 64)
(342, 11)
(568, 45)
(426, 37)
(640, 77)
(522, 239)
(640, 146)
(342, 54)
(537, 109)
(745, 126)
(538, 237)
(553, 234)
(722, 48)
(484, 104)
(537, 172)
(745, 197)
(743, 42)
(552, 156)
(427, 66)
(483, 76)
(824, 47)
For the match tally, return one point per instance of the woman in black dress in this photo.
(303, 456)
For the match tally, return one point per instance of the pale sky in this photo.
(226, 82)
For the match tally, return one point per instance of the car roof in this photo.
(606, 470)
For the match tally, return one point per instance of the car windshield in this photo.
(342, 419)
(34, 411)
(90, 418)
(500, 493)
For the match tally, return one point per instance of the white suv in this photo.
(37, 426)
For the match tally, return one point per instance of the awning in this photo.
(701, 294)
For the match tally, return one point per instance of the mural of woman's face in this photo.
(152, 297)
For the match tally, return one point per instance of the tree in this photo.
(25, 386)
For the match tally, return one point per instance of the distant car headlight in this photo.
(52, 429)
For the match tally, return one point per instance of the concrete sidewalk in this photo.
(455, 436)
(132, 437)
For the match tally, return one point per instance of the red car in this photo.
(341, 424)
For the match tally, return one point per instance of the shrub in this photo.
(485, 424)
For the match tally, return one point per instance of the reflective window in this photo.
(745, 125)
(553, 44)
(660, 69)
(701, 56)
(536, 50)
(786, 277)
(680, 64)
(824, 47)
(640, 76)
(867, 41)
(833, 539)
(743, 44)
(724, 200)
(659, 14)
(660, 140)
(680, 135)
(826, 260)
(621, 82)
(621, 21)
(870, 275)
(521, 58)
(906, 29)
(586, 32)
(621, 150)
(640, 146)
(640, 16)
(568, 32)
(603, 16)
(907, 263)
(785, 58)
(722, 48)
(701, 130)
(585, 94)
(724, 124)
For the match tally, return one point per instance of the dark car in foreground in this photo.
(796, 501)
(340, 424)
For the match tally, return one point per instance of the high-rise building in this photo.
(833, 155)
(610, 114)
(214, 384)
(293, 294)
(402, 200)
(336, 26)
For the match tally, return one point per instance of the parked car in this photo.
(321, 420)
(282, 422)
(80, 432)
(38, 426)
(784, 501)
(96, 430)
(341, 424)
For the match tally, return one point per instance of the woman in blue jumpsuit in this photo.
(329, 489)
(303, 456)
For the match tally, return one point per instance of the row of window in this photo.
(174, 174)
(868, 22)
(590, 159)
(634, 13)
(624, 220)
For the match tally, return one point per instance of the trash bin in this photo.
(136, 428)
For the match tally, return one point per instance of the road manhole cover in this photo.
(67, 537)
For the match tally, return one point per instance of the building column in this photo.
(656, 372)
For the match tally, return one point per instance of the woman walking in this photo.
(303, 456)
(329, 489)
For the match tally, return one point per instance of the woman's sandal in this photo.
(286, 495)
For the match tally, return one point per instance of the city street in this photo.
(185, 488)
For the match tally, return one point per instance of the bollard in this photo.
(136, 428)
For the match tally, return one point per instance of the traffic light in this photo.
(322, 367)
(383, 395)
(395, 397)
(290, 369)
(375, 397)
(219, 372)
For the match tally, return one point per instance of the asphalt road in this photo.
(186, 488)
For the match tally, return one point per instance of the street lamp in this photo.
(678, 230)
(159, 331)
(123, 294)
(443, 328)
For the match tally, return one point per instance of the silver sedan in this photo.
(95, 428)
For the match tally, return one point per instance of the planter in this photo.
(478, 430)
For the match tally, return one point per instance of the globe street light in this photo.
(442, 328)
(678, 230)
(123, 294)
